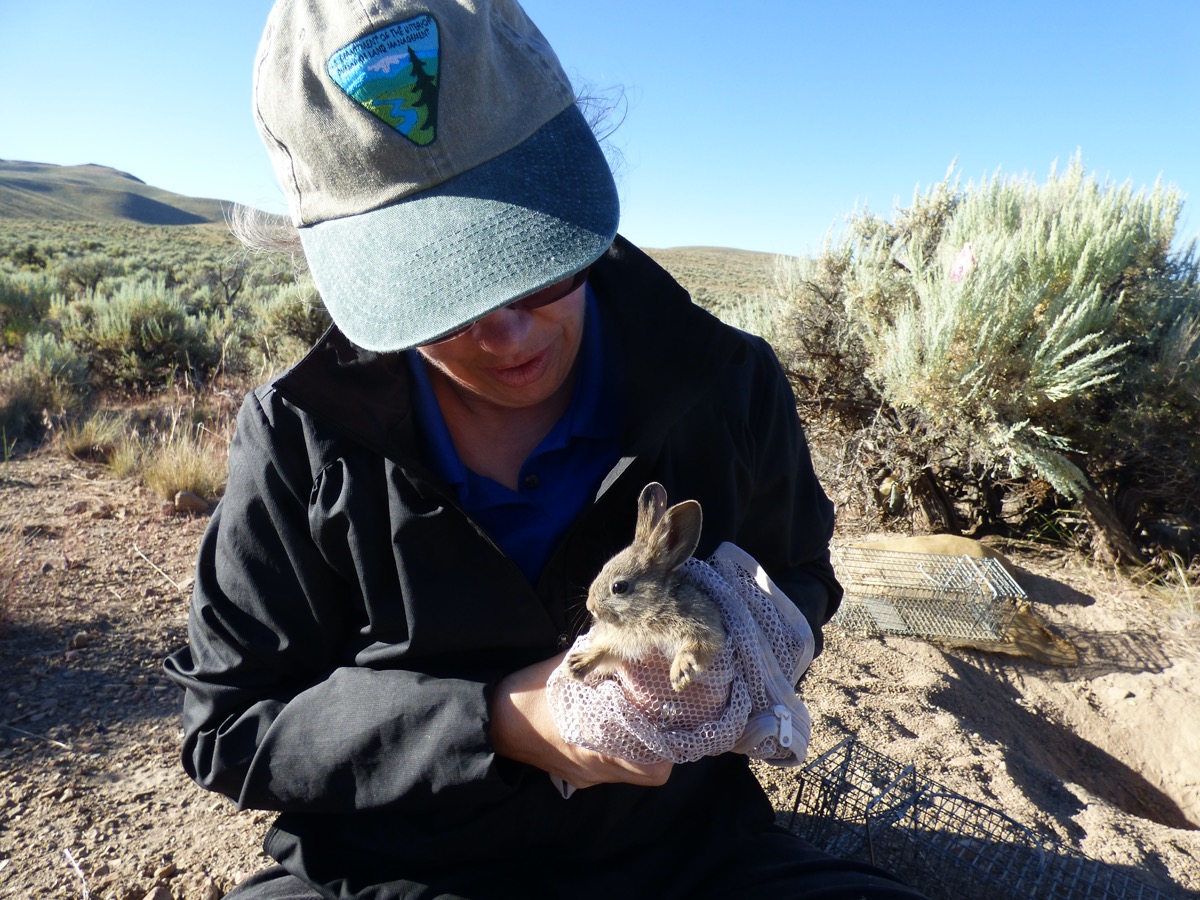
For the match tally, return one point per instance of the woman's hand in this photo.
(523, 729)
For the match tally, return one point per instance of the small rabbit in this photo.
(641, 603)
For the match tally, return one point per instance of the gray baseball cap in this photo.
(433, 159)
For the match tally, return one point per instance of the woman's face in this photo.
(514, 358)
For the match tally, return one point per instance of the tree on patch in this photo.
(425, 91)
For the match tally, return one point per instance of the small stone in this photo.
(164, 873)
(159, 892)
(80, 640)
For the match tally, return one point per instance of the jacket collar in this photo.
(666, 341)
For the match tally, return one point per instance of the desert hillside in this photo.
(31, 191)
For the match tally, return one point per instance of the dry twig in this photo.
(174, 584)
(40, 737)
(87, 895)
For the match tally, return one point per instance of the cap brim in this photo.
(409, 273)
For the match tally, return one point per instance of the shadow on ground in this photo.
(1050, 754)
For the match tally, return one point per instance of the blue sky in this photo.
(759, 125)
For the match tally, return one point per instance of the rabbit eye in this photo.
(620, 587)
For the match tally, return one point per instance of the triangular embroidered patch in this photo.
(393, 73)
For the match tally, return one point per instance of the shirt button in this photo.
(531, 481)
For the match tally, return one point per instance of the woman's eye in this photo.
(620, 587)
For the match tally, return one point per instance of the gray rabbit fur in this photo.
(641, 604)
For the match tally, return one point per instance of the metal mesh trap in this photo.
(924, 594)
(855, 803)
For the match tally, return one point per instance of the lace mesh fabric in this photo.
(745, 702)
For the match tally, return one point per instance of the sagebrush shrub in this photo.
(140, 337)
(85, 273)
(1011, 333)
(291, 319)
(24, 301)
(49, 379)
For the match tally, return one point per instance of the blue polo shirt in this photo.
(561, 475)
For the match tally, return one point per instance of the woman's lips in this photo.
(522, 374)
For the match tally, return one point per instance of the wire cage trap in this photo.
(924, 594)
(856, 803)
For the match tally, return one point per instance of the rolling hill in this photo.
(30, 190)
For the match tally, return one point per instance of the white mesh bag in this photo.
(745, 702)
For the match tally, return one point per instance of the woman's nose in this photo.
(504, 329)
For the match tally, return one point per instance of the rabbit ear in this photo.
(651, 505)
(676, 535)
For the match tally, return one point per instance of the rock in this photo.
(80, 640)
(165, 873)
(186, 501)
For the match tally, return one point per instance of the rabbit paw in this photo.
(684, 668)
(580, 663)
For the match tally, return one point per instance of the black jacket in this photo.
(349, 620)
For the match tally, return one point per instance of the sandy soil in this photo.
(1102, 756)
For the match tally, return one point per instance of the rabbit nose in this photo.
(597, 607)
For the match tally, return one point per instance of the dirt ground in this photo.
(1102, 756)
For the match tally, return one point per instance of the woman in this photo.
(414, 511)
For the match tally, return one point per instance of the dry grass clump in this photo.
(11, 546)
(171, 449)
(1177, 583)
(96, 438)
(189, 456)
